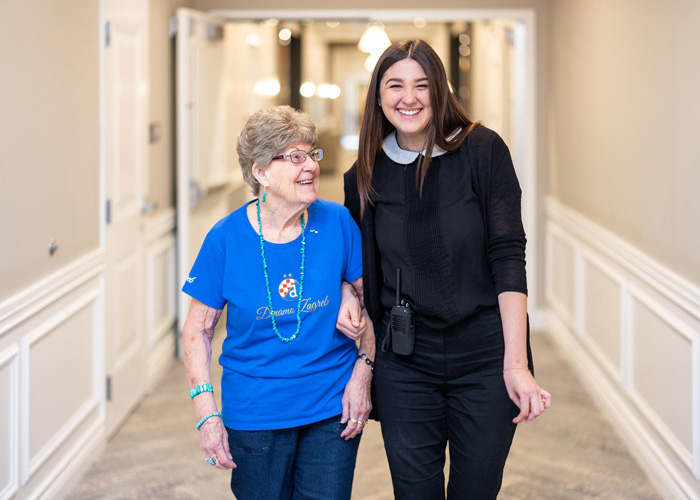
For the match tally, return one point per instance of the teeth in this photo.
(305, 182)
(409, 113)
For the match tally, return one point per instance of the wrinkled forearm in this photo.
(197, 335)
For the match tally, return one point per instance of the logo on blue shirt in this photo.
(288, 288)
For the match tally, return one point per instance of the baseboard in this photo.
(77, 462)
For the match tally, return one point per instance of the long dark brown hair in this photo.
(448, 114)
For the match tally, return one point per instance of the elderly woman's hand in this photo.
(357, 402)
(213, 440)
(350, 320)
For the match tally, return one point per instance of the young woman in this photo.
(436, 197)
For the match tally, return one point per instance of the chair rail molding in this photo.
(630, 327)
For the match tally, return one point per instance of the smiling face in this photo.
(292, 183)
(404, 96)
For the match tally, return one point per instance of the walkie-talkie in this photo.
(402, 323)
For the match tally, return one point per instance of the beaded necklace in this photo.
(267, 280)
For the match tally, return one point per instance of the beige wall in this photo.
(624, 132)
(49, 137)
(161, 113)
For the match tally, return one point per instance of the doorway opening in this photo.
(233, 62)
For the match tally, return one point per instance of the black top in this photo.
(437, 240)
(457, 264)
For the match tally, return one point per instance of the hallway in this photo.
(570, 453)
(112, 173)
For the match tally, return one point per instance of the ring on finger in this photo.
(354, 421)
(543, 401)
(211, 460)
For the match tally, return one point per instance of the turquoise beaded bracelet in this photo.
(215, 414)
(196, 391)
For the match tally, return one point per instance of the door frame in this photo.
(108, 14)
(524, 147)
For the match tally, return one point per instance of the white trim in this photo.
(364, 15)
(89, 406)
(160, 225)
(660, 427)
(102, 164)
(73, 464)
(538, 319)
(662, 312)
(161, 357)
(555, 233)
(10, 356)
(690, 335)
(61, 316)
(673, 466)
(591, 260)
(641, 443)
(36, 297)
(626, 337)
(30, 464)
(696, 407)
(579, 285)
(155, 327)
(668, 283)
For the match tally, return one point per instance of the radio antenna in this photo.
(398, 287)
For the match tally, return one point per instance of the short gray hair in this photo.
(266, 133)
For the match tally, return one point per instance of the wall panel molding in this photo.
(160, 225)
(640, 282)
(36, 297)
(9, 360)
(161, 300)
(68, 301)
(660, 278)
(30, 464)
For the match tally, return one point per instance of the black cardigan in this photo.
(496, 186)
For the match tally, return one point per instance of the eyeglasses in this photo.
(299, 156)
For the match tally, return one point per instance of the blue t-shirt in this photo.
(267, 383)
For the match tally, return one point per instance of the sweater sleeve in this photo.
(352, 195)
(496, 185)
(506, 236)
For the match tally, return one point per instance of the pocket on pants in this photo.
(249, 442)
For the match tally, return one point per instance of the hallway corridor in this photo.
(571, 453)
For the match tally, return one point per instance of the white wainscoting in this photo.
(631, 329)
(9, 421)
(161, 290)
(51, 379)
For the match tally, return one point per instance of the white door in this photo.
(125, 157)
(204, 166)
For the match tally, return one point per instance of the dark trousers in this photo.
(450, 390)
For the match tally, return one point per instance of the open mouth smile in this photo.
(409, 112)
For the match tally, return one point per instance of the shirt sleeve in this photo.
(353, 248)
(506, 243)
(205, 281)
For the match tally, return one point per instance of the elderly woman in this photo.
(295, 390)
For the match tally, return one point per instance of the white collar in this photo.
(397, 155)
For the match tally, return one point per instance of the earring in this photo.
(264, 196)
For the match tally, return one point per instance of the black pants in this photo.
(450, 389)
